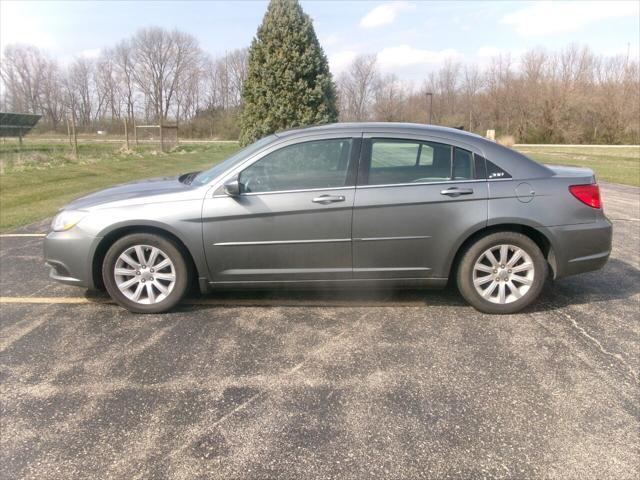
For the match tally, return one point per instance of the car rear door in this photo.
(292, 220)
(417, 197)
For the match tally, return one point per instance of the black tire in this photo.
(475, 251)
(168, 247)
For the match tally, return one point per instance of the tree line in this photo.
(156, 75)
(569, 96)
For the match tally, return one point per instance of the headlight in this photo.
(66, 220)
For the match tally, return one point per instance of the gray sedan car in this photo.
(365, 204)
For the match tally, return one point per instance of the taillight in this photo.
(587, 194)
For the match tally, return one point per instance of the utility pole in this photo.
(430, 97)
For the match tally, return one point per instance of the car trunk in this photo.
(576, 174)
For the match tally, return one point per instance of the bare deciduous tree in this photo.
(356, 87)
(163, 60)
(80, 89)
(471, 85)
(24, 70)
(124, 71)
(389, 99)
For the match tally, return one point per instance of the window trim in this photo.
(299, 190)
(444, 182)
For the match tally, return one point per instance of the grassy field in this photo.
(43, 177)
(36, 183)
(610, 164)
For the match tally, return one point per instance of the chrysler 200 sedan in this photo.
(365, 204)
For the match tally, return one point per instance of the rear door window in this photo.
(395, 161)
(462, 164)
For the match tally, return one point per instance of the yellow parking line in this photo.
(3, 235)
(231, 302)
(52, 300)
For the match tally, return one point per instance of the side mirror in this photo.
(232, 187)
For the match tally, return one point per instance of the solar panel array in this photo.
(17, 124)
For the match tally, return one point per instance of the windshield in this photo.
(208, 175)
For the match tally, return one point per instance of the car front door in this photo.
(416, 198)
(292, 218)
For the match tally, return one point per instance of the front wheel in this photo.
(502, 273)
(145, 273)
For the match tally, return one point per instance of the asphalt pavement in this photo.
(327, 384)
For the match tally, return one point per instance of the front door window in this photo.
(316, 164)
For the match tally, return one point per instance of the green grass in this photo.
(37, 182)
(610, 164)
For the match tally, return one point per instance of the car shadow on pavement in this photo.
(617, 281)
(333, 297)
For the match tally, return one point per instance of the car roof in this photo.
(518, 165)
(390, 127)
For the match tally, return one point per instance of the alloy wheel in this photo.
(503, 274)
(144, 274)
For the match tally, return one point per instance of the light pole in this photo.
(430, 96)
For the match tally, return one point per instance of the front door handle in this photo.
(456, 192)
(327, 199)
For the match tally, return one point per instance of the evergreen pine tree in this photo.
(288, 81)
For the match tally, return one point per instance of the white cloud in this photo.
(330, 40)
(383, 14)
(489, 52)
(550, 18)
(405, 56)
(338, 62)
(90, 53)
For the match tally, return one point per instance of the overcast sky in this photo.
(410, 38)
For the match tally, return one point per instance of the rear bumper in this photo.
(580, 248)
(69, 256)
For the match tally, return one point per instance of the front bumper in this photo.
(69, 255)
(580, 248)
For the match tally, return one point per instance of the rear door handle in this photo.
(456, 192)
(326, 199)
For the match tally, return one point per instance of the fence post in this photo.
(135, 132)
(69, 133)
(161, 137)
(126, 133)
(75, 137)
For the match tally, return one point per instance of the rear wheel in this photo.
(502, 273)
(145, 273)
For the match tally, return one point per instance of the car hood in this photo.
(145, 191)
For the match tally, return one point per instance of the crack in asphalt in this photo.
(595, 341)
